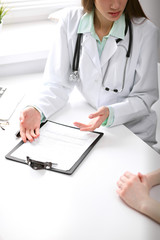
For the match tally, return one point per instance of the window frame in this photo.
(34, 10)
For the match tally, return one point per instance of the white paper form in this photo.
(57, 144)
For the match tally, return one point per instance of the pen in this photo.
(2, 127)
(17, 134)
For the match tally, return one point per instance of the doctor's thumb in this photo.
(101, 112)
(93, 115)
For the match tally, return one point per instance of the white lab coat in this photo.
(132, 107)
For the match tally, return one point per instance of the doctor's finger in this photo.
(84, 127)
(90, 127)
(33, 134)
(97, 114)
(80, 125)
(87, 129)
(102, 112)
(29, 136)
(23, 134)
(37, 132)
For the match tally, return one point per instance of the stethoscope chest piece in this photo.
(74, 76)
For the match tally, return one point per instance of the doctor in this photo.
(116, 62)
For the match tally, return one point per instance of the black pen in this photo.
(2, 127)
(17, 134)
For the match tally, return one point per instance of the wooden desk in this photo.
(43, 205)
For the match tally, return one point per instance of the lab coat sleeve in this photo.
(55, 90)
(145, 89)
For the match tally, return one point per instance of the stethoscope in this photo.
(74, 76)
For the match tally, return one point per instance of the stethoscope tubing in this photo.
(130, 38)
(75, 65)
(76, 56)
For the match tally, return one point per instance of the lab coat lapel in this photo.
(90, 47)
(109, 50)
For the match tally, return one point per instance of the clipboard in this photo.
(60, 148)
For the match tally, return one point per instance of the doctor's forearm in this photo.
(129, 110)
(52, 99)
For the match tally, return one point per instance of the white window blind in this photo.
(31, 10)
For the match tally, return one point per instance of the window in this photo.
(30, 10)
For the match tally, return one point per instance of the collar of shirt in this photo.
(87, 25)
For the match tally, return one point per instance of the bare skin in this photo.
(30, 120)
(134, 191)
(97, 119)
(106, 12)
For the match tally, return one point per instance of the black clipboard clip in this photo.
(37, 165)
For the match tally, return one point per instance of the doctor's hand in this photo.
(97, 119)
(30, 119)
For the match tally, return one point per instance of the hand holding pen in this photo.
(30, 119)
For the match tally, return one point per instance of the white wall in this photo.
(152, 10)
